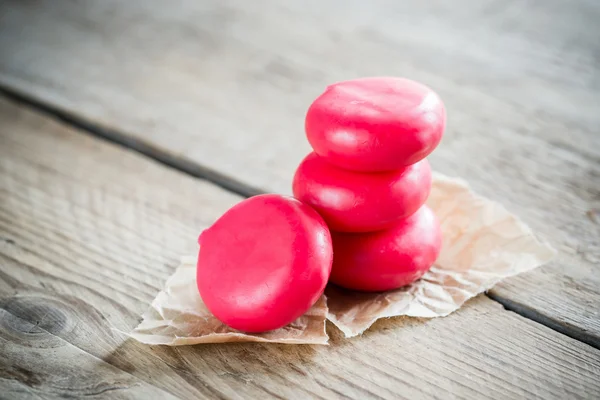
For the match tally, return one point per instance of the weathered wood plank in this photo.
(89, 232)
(226, 85)
(36, 363)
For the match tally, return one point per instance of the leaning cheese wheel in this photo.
(387, 259)
(361, 202)
(264, 263)
(375, 124)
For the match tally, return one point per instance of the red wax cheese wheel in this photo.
(264, 263)
(361, 202)
(375, 124)
(387, 259)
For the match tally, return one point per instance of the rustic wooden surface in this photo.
(90, 231)
(223, 86)
(88, 234)
(37, 363)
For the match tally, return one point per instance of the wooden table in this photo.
(128, 127)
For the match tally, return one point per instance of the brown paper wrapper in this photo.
(483, 244)
(177, 317)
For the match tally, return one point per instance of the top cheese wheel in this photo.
(264, 263)
(375, 124)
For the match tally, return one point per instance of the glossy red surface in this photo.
(375, 124)
(264, 263)
(361, 202)
(387, 259)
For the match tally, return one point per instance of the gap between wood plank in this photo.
(232, 185)
(139, 146)
(557, 326)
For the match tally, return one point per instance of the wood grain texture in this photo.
(226, 85)
(89, 232)
(36, 363)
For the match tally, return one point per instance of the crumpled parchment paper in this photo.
(482, 244)
(177, 316)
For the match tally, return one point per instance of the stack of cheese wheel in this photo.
(369, 179)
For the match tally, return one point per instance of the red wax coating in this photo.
(387, 259)
(264, 263)
(375, 124)
(361, 202)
